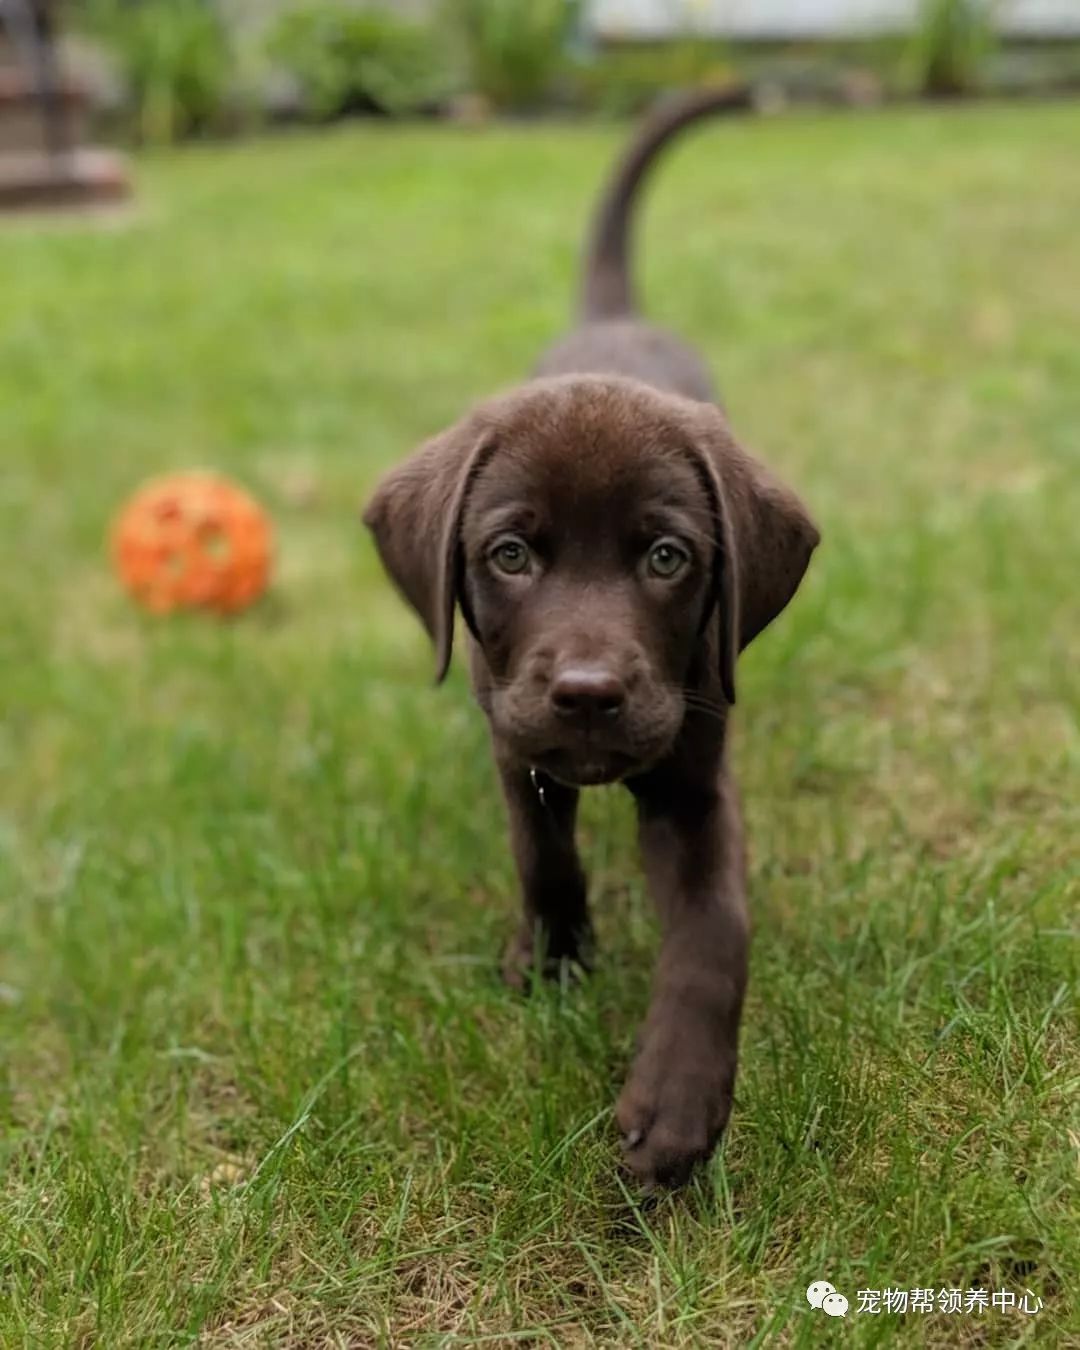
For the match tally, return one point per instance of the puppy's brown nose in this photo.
(587, 692)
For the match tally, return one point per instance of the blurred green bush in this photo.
(350, 60)
(625, 80)
(173, 59)
(950, 46)
(513, 51)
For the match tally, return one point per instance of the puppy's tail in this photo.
(607, 291)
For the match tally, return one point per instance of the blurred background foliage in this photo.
(950, 46)
(346, 60)
(177, 68)
(172, 61)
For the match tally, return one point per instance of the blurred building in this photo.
(782, 19)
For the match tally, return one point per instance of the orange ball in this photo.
(193, 541)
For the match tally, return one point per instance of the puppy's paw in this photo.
(559, 955)
(674, 1107)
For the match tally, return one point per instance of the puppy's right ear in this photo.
(415, 516)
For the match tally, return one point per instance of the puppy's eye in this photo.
(510, 555)
(667, 559)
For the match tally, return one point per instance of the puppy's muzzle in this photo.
(587, 696)
(592, 713)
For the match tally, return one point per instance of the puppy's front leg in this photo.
(555, 917)
(677, 1099)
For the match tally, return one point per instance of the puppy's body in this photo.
(634, 349)
(612, 549)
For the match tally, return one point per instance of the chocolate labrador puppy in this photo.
(612, 548)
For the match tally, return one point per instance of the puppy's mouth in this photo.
(586, 769)
(587, 754)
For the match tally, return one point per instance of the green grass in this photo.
(260, 1085)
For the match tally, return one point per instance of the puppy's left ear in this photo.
(415, 516)
(764, 538)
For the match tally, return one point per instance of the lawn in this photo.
(260, 1085)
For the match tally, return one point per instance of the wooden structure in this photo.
(45, 160)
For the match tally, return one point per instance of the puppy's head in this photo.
(611, 549)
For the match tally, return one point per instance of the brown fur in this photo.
(594, 664)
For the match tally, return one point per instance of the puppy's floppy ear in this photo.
(415, 516)
(764, 538)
